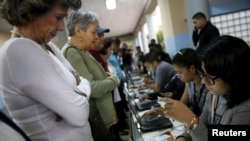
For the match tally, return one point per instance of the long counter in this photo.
(135, 131)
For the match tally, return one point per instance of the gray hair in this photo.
(80, 18)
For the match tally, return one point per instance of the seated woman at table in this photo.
(174, 89)
(225, 76)
(162, 71)
(187, 64)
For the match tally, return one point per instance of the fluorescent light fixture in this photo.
(111, 4)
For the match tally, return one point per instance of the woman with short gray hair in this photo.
(82, 26)
(82, 19)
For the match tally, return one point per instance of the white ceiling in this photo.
(122, 20)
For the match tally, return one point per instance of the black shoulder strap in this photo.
(9, 122)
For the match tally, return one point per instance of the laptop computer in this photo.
(134, 80)
(147, 104)
(139, 93)
(150, 124)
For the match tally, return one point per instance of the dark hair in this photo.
(145, 57)
(199, 15)
(107, 44)
(21, 12)
(154, 56)
(187, 57)
(228, 57)
(138, 47)
(165, 57)
(116, 40)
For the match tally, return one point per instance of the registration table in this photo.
(135, 131)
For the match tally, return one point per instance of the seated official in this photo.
(174, 89)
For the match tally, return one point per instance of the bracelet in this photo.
(193, 125)
(192, 121)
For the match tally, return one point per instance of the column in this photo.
(135, 41)
(140, 41)
(63, 36)
(174, 25)
(144, 39)
(151, 27)
(192, 7)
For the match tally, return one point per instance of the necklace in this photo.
(16, 33)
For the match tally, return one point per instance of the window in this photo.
(235, 24)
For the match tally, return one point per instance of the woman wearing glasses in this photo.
(228, 102)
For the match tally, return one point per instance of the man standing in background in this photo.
(204, 32)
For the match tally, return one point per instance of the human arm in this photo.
(81, 62)
(36, 75)
(197, 133)
(155, 87)
(151, 96)
(195, 37)
(184, 98)
(180, 112)
(153, 112)
(174, 89)
(112, 59)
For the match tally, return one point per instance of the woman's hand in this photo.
(181, 139)
(81, 93)
(177, 110)
(144, 97)
(77, 77)
(171, 138)
(168, 94)
(141, 87)
(154, 112)
(58, 118)
(108, 74)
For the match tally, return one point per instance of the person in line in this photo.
(225, 76)
(100, 51)
(10, 131)
(154, 46)
(82, 27)
(42, 92)
(127, 59)
(98, 45)
(121, 124)
(114, 59)
(204, 32)
(138, 58)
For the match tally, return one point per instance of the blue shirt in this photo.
(114, 62)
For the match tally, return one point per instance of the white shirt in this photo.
(36, 87)
(112, 70)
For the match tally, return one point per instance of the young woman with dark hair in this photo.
(225, 76)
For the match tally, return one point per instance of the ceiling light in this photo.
(111, 4)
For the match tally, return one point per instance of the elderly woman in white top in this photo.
(41, 91)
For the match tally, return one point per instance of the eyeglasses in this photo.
(210, 80)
